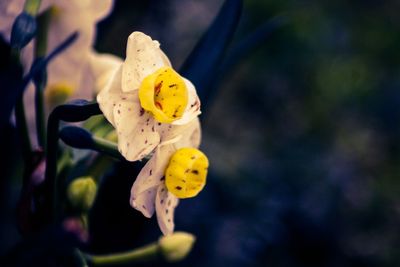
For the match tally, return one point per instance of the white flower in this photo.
(70, 74)
(146, 100)
(67, 16)
(175, 170)
(71, 66)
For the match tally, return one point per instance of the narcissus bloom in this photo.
(70, 74)
(146, 100)
(176, 170)
(66, 73)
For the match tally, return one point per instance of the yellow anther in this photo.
(164, 94)
(58, 93)
(186, 173)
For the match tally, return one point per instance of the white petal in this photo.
(102, 68)
(152, 174)
(101, 8)
(102, 63)
(169, 131)
(143, 57)
(135, 128)
(68, 66)
(193, 108)
(191, 136)
(165, 208)
(144, 202)
(111, 95)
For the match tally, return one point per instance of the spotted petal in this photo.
(111, 94)
(193, 107)
(165, 208)
(143, 57)
(189, 134)
(152, 173)
(135, 128)
(144, 202)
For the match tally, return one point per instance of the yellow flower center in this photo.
(58, 93)
(186, 173)
(164, 94)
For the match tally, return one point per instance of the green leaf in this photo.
(203, 61)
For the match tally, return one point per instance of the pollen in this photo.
(186, 173)
(164, 94)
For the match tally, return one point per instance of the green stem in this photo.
(102, 130)
(85, 221)
(105, 146)
(63, 162)
(42, 34)
(32, 7)
(40, 84)
(70, 113)
(79, 258)
(63, 165)
(51, 185)
(145, 253)
(40, 114)
(92, 123)
(23, 129)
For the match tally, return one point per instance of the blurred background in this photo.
(302, 135)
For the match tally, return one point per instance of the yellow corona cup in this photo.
(186, 173)
(164, 94)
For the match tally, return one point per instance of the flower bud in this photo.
(23, 30)
(176, 247)
(81, 193)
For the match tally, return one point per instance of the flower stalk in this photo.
(72, 112)
(40, 79)
(145, 253)
(171, 248)
(20, 119)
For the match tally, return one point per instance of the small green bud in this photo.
(81, 193)
(177, 246)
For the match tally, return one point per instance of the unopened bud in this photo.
(82, 193)
(23, 30)
(176, 247)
